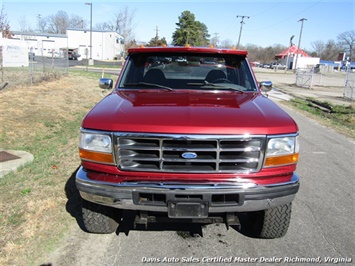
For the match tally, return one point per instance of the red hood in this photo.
(188, 112)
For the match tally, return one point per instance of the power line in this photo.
(288, 18)
(215, 39)
(264, 11)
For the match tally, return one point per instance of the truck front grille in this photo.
(189, 153)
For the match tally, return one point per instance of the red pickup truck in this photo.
(187, 135)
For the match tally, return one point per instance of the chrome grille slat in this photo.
(163, 153)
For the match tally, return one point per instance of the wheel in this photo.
(272, 223)
(99, 219)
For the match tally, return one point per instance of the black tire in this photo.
(272, 223)
(99, 219)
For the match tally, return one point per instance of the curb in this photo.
(12, 165)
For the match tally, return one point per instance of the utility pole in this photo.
(90, 4)
(156, 35)
(214, 40)
(299, 41)
(241, 27)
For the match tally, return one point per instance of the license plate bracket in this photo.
(188, 209)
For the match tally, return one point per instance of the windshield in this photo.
(187, 71)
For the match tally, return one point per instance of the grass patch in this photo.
(90, 74)
(33, 199)
(44, 121)
(19, 76)
(340, 117)
(25, 191)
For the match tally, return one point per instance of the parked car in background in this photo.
(265, 65)
(72, 55)
(31, 55)
(53, 55)
(277, 65)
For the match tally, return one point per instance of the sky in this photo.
(269, 22)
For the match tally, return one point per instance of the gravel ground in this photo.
(327, 87)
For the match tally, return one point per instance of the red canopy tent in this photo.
(291, 51)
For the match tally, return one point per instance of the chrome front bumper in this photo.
(154, 196)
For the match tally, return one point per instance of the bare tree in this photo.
(347, 40)
(42, 23)
(104, 26)
(4, 24)
(58, 23)
(319, 48)
(268, 54)
(226, 43)
(76, 22)
(123, 25)
(25, 26)
(331, 50)
(255, 52)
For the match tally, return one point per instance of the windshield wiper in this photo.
(219, 85)
(147, 85)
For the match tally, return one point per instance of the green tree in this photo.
(190, 31)
(157, 42)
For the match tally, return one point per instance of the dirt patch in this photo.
(328, 88)
(328, 82)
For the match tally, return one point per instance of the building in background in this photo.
(106, 45)
(288, 58)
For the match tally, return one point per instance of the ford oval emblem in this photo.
(189, 155)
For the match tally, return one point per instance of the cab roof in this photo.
(186, 49)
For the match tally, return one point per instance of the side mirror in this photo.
(265, 86)
(106, 83)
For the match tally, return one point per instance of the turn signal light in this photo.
(281, 160)
(96, 156)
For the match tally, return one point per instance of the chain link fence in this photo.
(307, 77)
(1, 68)
(349, 88)
(40, 68)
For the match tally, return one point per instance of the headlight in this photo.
(282, 151)
(96, 147)
(280, 146)
(95, 142)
